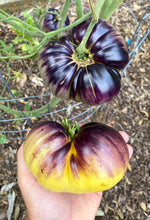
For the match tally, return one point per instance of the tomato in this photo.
(104, 43)
(93, 78)
(94, 159)
(50, 22)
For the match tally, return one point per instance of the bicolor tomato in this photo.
(93, 160)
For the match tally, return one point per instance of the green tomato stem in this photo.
(79, 8)
(92, 9)
(81, 48)
(63, 14)
(71, 129)
(49, 3)
(23, 26)
(109, 7)
(41, 19)
(47, 37)
(39, 111)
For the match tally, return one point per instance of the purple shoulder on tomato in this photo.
(97, 153)
(96, 137)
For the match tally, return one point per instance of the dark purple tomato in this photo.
(93, 78)
(104, 43)
(50, 22)
(93, 161)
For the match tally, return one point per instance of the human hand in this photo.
(44, 204)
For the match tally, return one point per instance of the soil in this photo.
(129, 111)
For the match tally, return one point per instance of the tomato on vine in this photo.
(91, 76)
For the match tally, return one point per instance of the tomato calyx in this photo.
(71, 130)
(84, 59)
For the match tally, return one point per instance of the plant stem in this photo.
(48, 5)
(79, 8)
(9, 76)
(105, 7)
(93, 11)
(71, 129)
(63, 14)
(39, 111)
(47, 37)
(109, 7)
(81, 47)
(35, 51)
(24, 28)
(44, 108)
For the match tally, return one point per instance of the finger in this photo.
(124, 135)
(130, 149)
(23, 171)
(27, 133)
(99, 194)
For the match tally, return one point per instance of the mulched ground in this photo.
(129, 111)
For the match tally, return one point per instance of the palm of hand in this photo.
(43, 204)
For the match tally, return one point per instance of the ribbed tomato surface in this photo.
(92, 80)
(94, 160)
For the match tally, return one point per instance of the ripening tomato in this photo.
(93, 160)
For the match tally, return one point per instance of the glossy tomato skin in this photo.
(57, 68)
(50, 22)
(104, 42)
(104, 80)
(93, 85)
(94, 82)
(95, 160)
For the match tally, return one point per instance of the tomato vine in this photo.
(102, 9)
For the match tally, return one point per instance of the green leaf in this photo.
(4, 51)
(3, 47)
(26, 14)
(24, 47)
(3, 43)
(28, 38)
(35, 115)
(29, 19)
(3, 139)
(27, 107)
(18, 40)
(16, 93)
(36, 42)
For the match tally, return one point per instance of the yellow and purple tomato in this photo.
(94, 160)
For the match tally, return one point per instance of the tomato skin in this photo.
(95, 160)
(50, 22)
(104, 42)
(105, 84)
(94, 82)
(93, 85)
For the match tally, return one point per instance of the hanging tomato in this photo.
(51, 19)
(91, 77)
